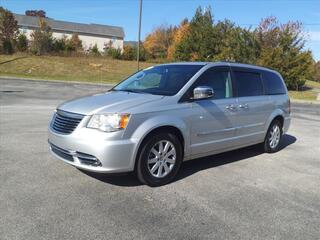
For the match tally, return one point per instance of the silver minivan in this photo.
(163, 115)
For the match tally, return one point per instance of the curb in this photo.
(304, 101)
(55, 81)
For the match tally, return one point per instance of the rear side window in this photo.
(248, 83)
(273, 83)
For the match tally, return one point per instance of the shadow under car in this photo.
(191, 167)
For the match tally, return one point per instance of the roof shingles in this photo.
(89, 29)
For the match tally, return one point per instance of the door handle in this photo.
(245, 106)
(231, 107)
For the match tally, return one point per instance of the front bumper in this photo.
(93, 150)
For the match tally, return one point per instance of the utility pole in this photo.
(139, 34)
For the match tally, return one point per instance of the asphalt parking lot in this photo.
(243, 194)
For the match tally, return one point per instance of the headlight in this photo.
(109, 122)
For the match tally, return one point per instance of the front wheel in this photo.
(273, 137)
(159, 160)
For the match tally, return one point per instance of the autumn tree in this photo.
(282, 48)
(74, 44)
(271, 44)
(179, 34)
(8, 31)
(206, 41)
(36, 13)
(129, 52)
(158, 42)
(41, 39)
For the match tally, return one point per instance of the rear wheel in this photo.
(273, 137)
(159, 160)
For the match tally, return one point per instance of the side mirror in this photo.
(202, 92)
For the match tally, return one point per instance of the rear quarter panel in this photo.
(280, 105)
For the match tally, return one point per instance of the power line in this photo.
(256, 24)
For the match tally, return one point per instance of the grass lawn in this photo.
(310, 93)
(86, 69)
(313, 84)
(303, 95)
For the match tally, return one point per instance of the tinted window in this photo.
(248, 83)
(218, 80)
(273, 83)
(160, 80)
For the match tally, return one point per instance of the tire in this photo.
(273, 138)
(156, 167)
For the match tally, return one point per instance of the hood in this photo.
(110, 102)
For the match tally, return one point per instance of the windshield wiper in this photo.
(132, 91)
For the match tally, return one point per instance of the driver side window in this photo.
(219, 80)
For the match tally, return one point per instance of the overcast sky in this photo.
(155, 12)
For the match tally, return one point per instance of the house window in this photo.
(24, 30)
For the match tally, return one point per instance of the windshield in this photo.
(160, 80)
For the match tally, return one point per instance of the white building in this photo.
(89, 34)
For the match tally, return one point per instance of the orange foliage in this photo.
(158, 42)
(162, 42)
(178, 35)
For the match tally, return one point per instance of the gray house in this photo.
(90, 34)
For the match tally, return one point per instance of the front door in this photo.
(213, 120)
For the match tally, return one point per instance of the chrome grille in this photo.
(88, 159)
(73, 156)
(65, 122)
(61, 152)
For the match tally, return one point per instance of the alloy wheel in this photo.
(161, 159)
(274, 136)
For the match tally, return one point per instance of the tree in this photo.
(282, 48)
(235, 43)
(59, 44)
(41, 39)
(36, 13)
(112, 52)
(115, 53)
(317, 71)
(74, 44)
(8, 31)
(94, 50)
(158, 42)
(129, 52)
(199, 43)
(179, 34)
(22, 43)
